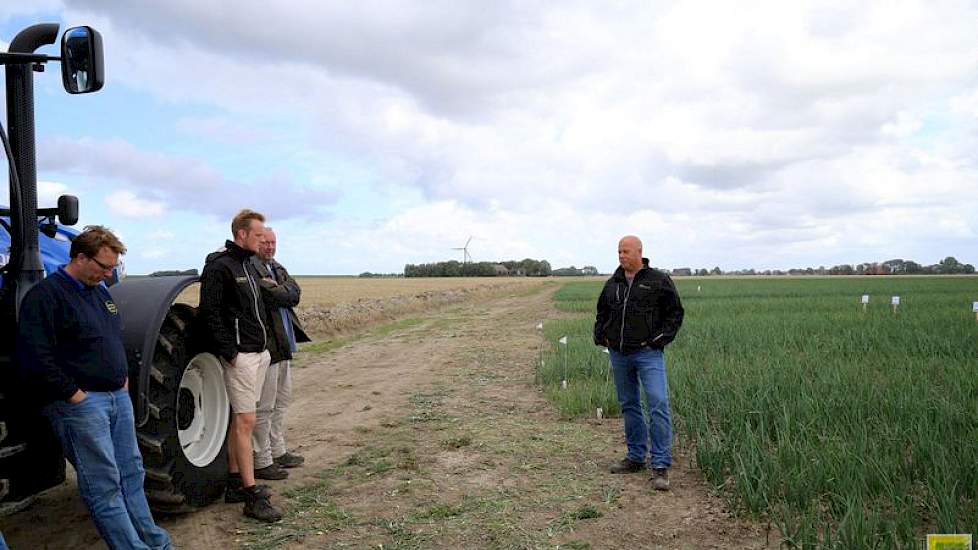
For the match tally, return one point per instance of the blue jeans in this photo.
(99, 439)
(647, 366)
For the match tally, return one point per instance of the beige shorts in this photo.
(245, 379)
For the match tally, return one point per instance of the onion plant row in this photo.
(847, 428)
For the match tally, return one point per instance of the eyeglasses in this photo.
(103, 266)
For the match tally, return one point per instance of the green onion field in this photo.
(845, 428)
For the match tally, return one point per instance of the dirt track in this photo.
(433, 436)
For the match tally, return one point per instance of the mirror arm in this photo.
(8, 58)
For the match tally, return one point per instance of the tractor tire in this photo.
(183, 440)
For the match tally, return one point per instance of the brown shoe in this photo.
(272, 472)
(626, 466)
(660, 479)
(289, 460)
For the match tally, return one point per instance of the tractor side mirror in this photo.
(68, 209)
(81, 60)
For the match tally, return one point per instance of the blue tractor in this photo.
(182, 409)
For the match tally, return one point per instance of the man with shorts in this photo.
(235, 328)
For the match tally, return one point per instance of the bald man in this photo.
(639, 314)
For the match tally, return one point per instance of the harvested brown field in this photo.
(334, 305)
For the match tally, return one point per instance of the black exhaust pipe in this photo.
(25, 266)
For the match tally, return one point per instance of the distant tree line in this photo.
(369, 275)
(169, 272)
(947, 266)
(453, 268)
(586, 271)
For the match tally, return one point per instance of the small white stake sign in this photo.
(895, 302)
(539, 326)
(563, 384)
(974, 309)
(563, 340)
(865, 299)
(600, 413)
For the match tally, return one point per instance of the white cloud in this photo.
(743, 133)
(128, 204)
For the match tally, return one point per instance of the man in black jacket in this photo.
(70, 351)
(280, 293)
(235, 329)
(639, 314)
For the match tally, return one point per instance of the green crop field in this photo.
(847, 429)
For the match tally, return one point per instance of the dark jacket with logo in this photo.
(279, 299)
(69, 338)
(647, 313)
(232, 314)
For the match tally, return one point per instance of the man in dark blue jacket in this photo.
(639, 314)
(69, 347)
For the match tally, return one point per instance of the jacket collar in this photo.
(237, 252)
(620, 273)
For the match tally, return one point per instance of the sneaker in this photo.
(258, 506)
(660, 479)
(626, 466)
(289, 460)
(272, 471)
(234, 492)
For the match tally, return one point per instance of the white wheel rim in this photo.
(203, 438)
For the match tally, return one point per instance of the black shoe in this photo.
(234, 492)
(258, 506)
(626, 466)
(660, 479)
(272, 471)
(289, 460)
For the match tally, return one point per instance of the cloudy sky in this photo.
(378, 133)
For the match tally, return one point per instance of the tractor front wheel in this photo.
(183, 440)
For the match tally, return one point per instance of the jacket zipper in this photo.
(254, 294)
(624, 304)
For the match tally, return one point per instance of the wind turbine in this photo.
(466, 258)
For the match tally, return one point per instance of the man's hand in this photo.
(77, 397)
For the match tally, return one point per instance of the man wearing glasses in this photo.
(69, 346)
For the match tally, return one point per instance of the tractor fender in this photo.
(143, 304)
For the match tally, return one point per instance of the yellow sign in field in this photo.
(948, 542)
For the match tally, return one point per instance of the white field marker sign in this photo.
(895, 302)
(974, 309)
(540, 326)
(563, 340)
(698, 288)
(600, 413)
(865, 302)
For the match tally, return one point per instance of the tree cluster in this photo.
(586, 271)
(452, 268)
(947, 266)
(170, 272)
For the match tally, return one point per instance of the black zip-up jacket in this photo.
(232, 317)
(647, 313)
(279, 300)
(69, 338)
